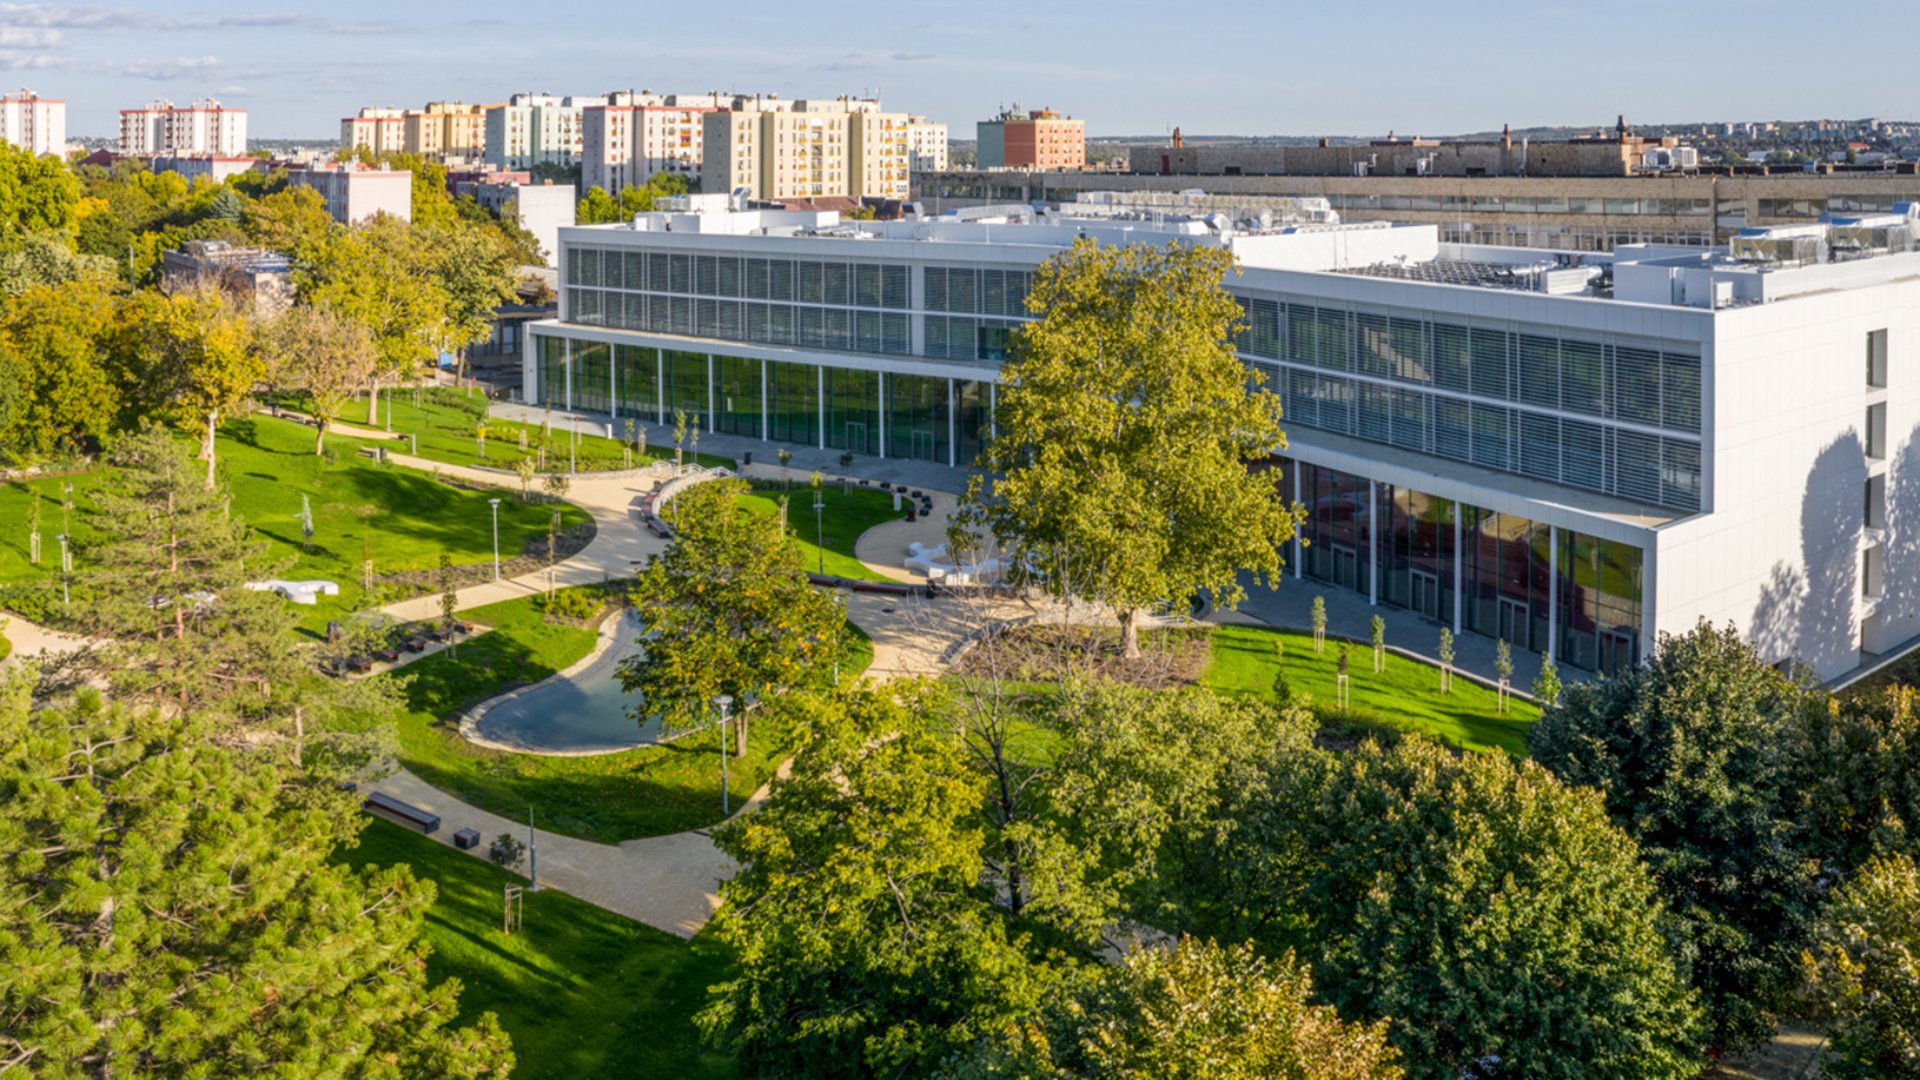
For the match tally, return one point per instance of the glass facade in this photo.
(853, 410)
(592, 376)
(793, 403)
(736, 395)
(636, 381)
(1511, 584)
(550, 374)
(686, 386)
(918, 416)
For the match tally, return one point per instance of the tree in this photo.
(201, 357)
(1696, 754)
(1199, 1010)
(1863, 968)
(63, 379)
(1125, 429)
(507, 852)
(449, 600)
(524, 469)
(473, 266)
(1446, 660)
(293, 221)
(47, 258)
(36, 194)
(679, 436)
(865, 941)
(1378, 627)
(1319, 624)
(1546, 685)
(315, 348)
(174, 911)
(1480, 906)
(380, 275)
(729, 612)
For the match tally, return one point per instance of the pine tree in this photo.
(172, 910)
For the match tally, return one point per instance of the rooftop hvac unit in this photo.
(1790, 245)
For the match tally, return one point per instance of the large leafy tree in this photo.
(380, 275)
(728, 610)
(1864, 970)
(866, 941)
(293, 220)
(201, 357)
(473, 264)
(1197, 1011)
(597, 207)
(1483, 908)
(314, 348)
(1125, 427)
(1700, 757)
(59, 350)
(36, 193)
(172, 911)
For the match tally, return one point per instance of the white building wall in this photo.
(544, 209)
(35, 124)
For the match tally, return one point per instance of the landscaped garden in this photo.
(845, 515)
(647, 791)
(444, 423)
(626, 991)
(1404, 696)
(401, 519)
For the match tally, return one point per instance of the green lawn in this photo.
(446, 434)
(647, 791)
(582, 991)
(1406, 696)
(847, 514)
(404, 519)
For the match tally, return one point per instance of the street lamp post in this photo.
(819, 531)
(533, 854)
(839, 605)
(725, 702)
(495, 503)
(66, 570)
(573, 445)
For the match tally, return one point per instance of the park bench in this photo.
(383, 805)
(415, 644)
(390, 655)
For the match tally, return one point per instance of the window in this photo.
(1877, 359)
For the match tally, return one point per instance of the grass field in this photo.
(582, 991)
(847, 514)
(403, 519)
(446, 435)
(1405, 696)
(647, 791)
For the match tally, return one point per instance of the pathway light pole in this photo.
(533, 854)
(66, 571)
(725, 702)
(495, 503)
(819, 531)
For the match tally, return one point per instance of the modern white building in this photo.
(203, 129)
(536, 129)
(354, 195)
(542, 209)
(633, 136)
(35, 124)
(1574, 452)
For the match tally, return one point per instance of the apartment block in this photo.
(1572, 452)
(536, 129)
(926, 145)
(378, 130)
(353, 195)
(450, 130)
(777, 149)
(1033, 139)
(35, 124)
(204, 128)
(634, 136)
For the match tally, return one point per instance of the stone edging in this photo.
(470, 721)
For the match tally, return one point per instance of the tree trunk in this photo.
(740, 733)
(1130, 633)
(320, 433)
(373, 401)
(206, 448)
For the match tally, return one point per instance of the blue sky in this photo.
(1128, 68)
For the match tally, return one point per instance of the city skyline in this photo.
(298, 69)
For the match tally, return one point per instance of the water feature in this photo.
(581, 710)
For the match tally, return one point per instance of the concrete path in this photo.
(32, 640)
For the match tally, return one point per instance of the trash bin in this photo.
(746, 458)
(466, 839)
(911, 516)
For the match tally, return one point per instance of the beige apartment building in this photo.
(776, 149)
(444, 129)
(1591, 213)
(635, 136)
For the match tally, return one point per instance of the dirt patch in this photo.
(1170, 657)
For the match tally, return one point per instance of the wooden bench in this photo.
(400, 813)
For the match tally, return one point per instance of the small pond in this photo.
(580, 712)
